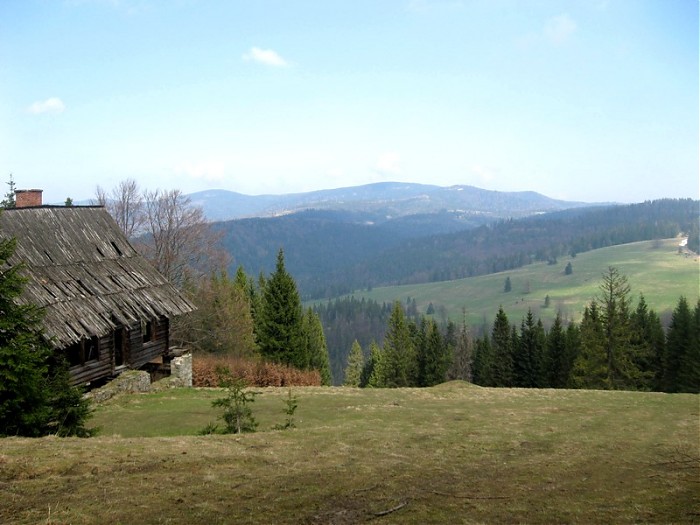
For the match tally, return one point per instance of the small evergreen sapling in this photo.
(237, 416)
(290, 407)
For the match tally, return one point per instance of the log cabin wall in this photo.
(95, 369)
(149, 341)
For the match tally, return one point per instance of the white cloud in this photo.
(211, 170)
(265, 56)
(388, 164)
(50, 105)
(484, 174)
(559, 29)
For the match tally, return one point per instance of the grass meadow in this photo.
(654, 268)
(454, 453)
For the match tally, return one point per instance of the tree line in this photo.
(615, 347)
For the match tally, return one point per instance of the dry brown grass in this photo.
(254, 372)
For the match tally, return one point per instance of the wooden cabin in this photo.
(106, 307)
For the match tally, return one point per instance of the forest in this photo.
(335, 253)
(617, 346)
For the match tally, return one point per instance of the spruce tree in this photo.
(482, 368)
(590, 369)
(502, 344)
(555, 368)
(507, 286)
(36, 397)
(615, 317)
(398, 363)
(9, 199)
(573, 350)
(528, 354)
(279, 325)
(647, 344)
(356, 362)
(316, 348)
(433, 357)
(372, 373)
(682, 363)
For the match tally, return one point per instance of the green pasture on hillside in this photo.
(454, 453)
(653, 268)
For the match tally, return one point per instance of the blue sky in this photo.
(591, 100)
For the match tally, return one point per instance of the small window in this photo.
(73, 354)
(92, 349)
(148, 329)
(86, 350)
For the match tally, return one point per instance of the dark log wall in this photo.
(136, 354)
(93, 370)
(144, 351)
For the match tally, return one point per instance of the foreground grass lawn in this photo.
(455, 453)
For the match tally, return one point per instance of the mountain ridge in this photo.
(390, 199)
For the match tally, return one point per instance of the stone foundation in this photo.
(181, 370)
(130, 381)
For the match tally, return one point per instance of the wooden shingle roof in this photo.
(84, 272)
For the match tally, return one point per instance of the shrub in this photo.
(253, 372)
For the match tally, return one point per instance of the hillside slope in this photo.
(655, 269)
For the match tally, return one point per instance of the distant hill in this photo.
(383, 201)
(330, 253)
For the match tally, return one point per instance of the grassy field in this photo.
(653, 268)
(455, 453)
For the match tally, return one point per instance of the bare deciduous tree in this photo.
(166, 229)
(178, 240)
(125, 203)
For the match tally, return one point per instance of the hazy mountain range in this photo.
(381, 201)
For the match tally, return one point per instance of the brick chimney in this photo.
(28, 198)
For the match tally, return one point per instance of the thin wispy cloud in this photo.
(267, 57)
(50, 105)
(559, 29)
(388, 164)
(209, 170)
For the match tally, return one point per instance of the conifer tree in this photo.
(398, 362)
(556, 368)
(502, 344)
(528, 354)
(279, 325)
(433, 356)
(507, 286)
(9, 199)
(482, 369)
(36, 397)
(356, 362)
(591, 366)
(573, 350)
(316, 348)
(614, 315)
(372, 373)
(682, 363)
(647, 342)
